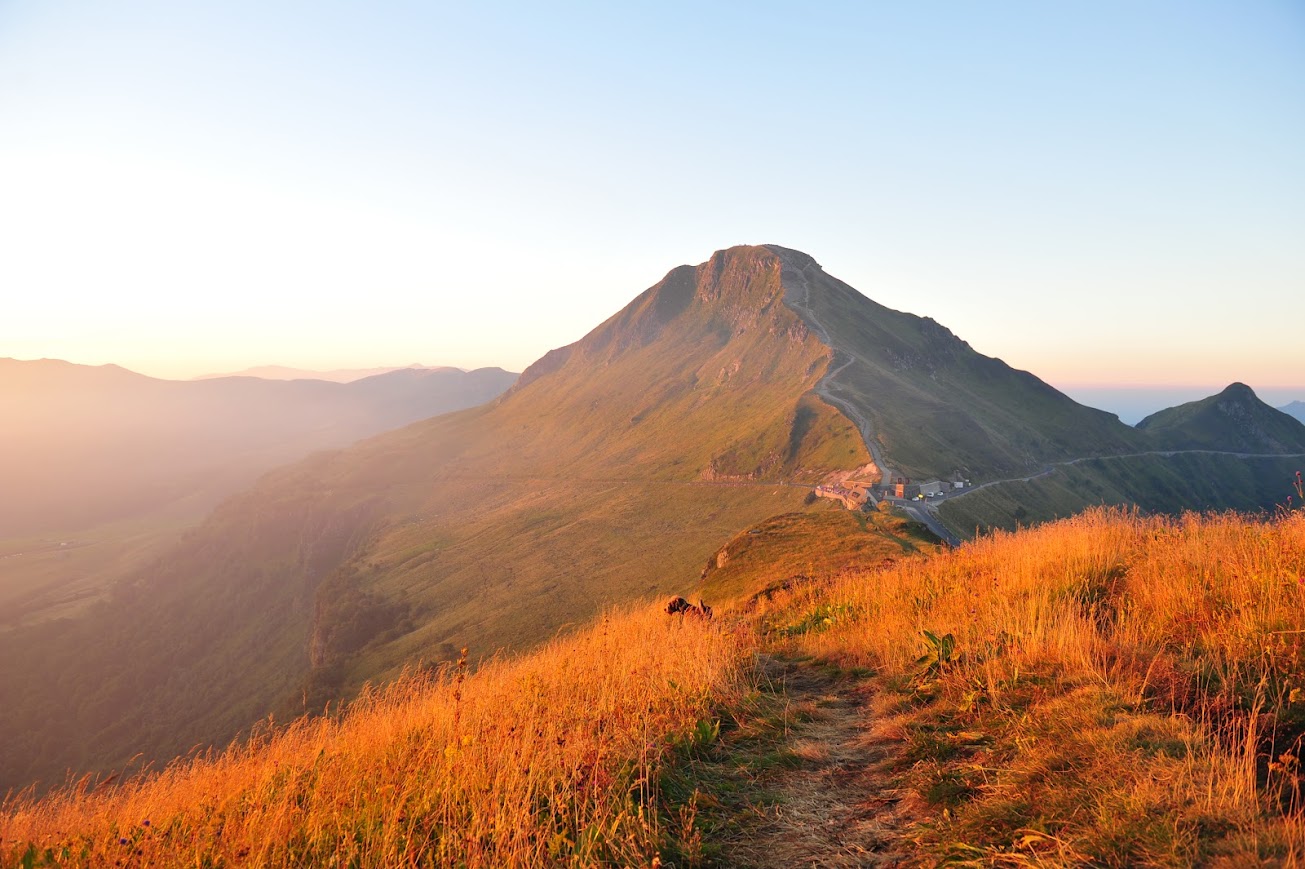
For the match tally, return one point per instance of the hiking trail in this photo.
(838, 806)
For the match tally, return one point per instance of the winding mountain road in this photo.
(797, 295)
(1051, 468)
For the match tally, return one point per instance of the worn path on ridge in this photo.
(837, 808)
(798, 296)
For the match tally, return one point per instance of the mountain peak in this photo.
(733, 291)
(791, 256)
(914, 390)
(1239, 391)
(1234, 420)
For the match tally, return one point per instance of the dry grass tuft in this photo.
(553, 758)
(1110, 688)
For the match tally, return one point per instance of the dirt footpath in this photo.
(837, 806)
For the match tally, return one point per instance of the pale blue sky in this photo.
(1097, 192)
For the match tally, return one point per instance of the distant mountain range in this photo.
(82, 445)
(337, 375)
(1295, 409)
(612, 469)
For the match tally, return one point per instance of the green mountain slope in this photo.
(1234, 420)
(1162, 483)
(610, 471)
(1230, 451)
(790, 550)
(934, 405)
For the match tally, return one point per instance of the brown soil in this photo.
(838, 808)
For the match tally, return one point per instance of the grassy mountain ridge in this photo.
(1229, 451)
(794, 549)
(935, 405)
(610, 471)
(1155, 483)
(1234, 420)
(1106, 690)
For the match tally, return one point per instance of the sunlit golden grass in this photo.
(1220, 597)
(1108, 688)
(553, 758)
(790, 549)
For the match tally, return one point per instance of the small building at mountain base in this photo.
(849, 498)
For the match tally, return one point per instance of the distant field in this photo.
(58, 576)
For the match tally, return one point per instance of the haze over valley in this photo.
(667, 435)
(102, 465)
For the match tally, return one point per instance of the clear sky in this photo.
(1102, 193)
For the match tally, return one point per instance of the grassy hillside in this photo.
(554, 759)
(1157, 484)
(1106, 690)
(792, 549)
(935, 405)
(612, 469)
(1234, 420)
